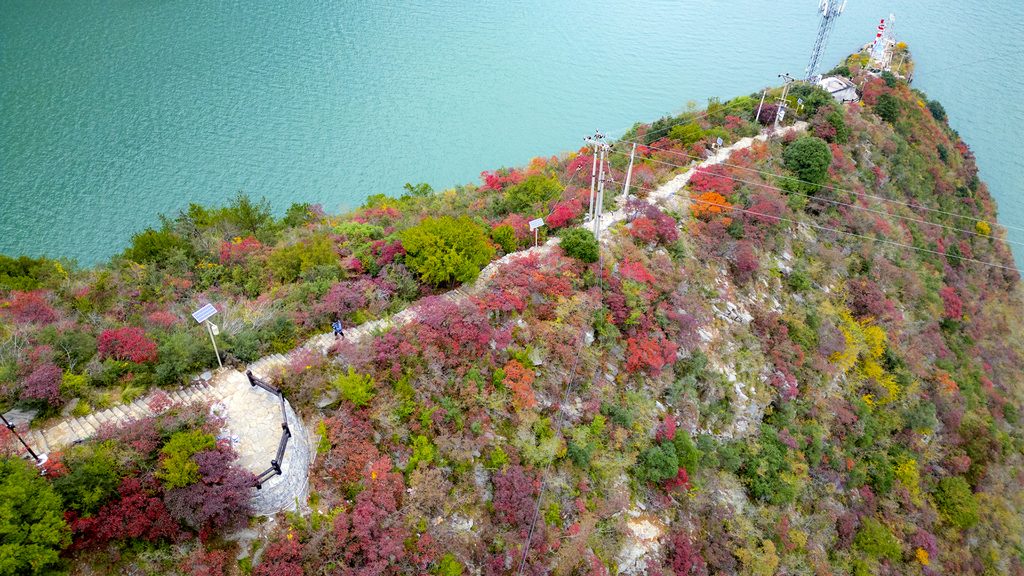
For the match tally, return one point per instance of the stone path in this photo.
(254, 415)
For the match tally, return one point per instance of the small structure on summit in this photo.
(842, 89)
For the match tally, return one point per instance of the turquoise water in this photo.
(114, 111)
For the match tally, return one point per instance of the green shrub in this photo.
(658, 463)
(840, 71)
(956, 502)
(799, 281)
(448, 566)
(809, 157)
(875, 540)
(356, 388)
(580, 243)
(937, 110)
(688, 454)
(32, 528)
(422, 451)
(889, 78)
(531, 191)
(152, 247)
(889, 108)
(178, 469)
(505, 237)
(93, 478)
(446, 250)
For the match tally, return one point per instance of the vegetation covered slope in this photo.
(808, 365)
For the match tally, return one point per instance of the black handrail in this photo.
(286, 434)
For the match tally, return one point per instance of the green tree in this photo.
(875, 540)
(447, 250)
(152, 247)
(32, 528)
(248, 215)
(956, 503)
(888, 108)
(835, 118)
(91, 482)
(529, 192)
(813, 97)
(658, 463)
(936, 109)
(580, 243)
(809, 157)
(889, 78)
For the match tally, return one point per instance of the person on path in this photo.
(339, 333)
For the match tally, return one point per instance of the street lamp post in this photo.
(11, 427)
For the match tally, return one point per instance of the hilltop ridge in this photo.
(795, 357)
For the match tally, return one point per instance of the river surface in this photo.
(113, 111)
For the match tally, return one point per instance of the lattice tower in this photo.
(830, 10)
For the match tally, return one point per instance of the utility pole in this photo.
(758, 116)
(629, 174)
(789, 80)
(595, 142)
(599, 207)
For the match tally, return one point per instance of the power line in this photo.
(812, 225)
(848, 191)
(854, 206)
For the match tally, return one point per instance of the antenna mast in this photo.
(830, 10)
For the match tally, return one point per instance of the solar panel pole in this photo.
(209, 327)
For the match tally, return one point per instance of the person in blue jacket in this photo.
(339, 333)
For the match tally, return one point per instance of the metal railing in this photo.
(275, 464)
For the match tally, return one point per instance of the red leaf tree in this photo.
(126, 343)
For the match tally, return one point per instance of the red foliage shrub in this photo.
(953, 307)
(43, 384)
(685, 557)
(745, 264)
(644, 230)
(371, 535)
(220, 499)
(138, 514)
(29, 307)
(282, 558)
(141, 436)
(513, 496)
(712, 179)
(636, 272)
(446, 331)
(239, 253)
(520, 227)
(649, 355)
(352, 447)
(163, 319)
(205, 563)
(866, 300)
(565, 213)
(519, 380)
(499, 179)
(126, 343)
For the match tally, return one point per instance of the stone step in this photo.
(77, 427)
(86, 425)
(38, 442)
(93, 421)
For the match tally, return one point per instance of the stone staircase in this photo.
(77, 429)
